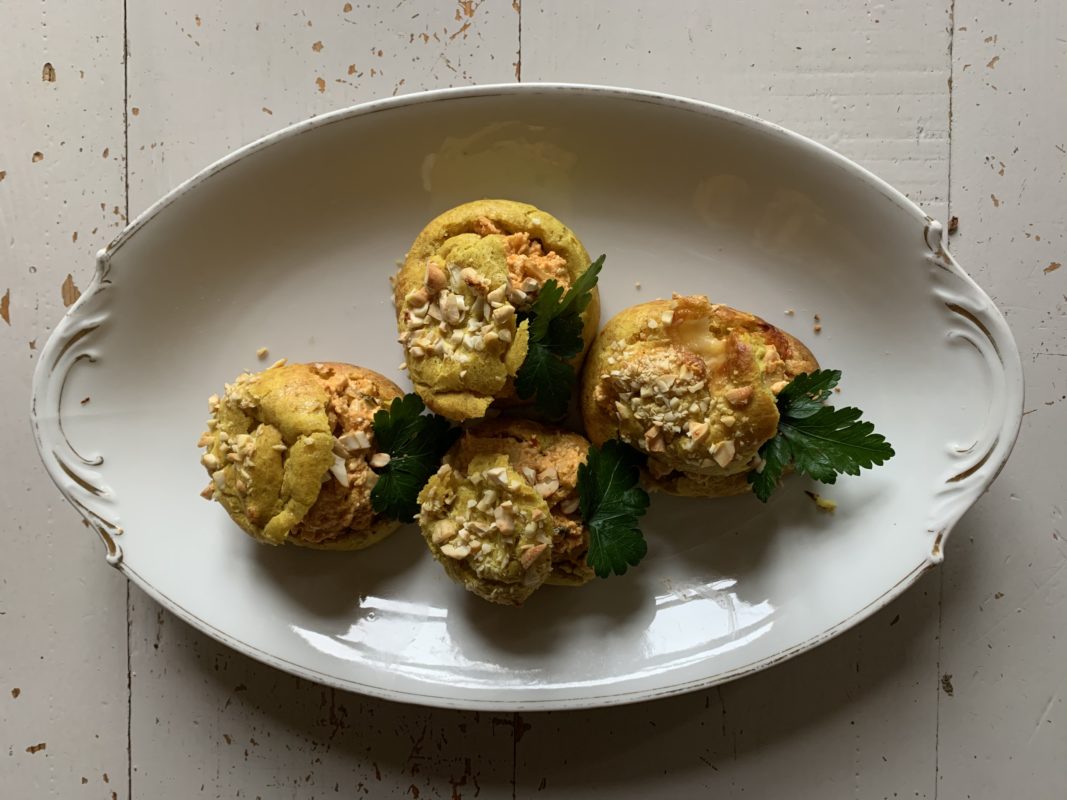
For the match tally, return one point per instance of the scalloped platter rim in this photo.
(288, 243)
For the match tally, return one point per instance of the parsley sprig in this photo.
(818, 440)
(555, 321)
(415, 443)
(611, 502)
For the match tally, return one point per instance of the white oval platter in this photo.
(288, 244)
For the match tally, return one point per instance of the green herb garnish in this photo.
(611, 502)
(555, 321)
(415, 443)
(818, 440)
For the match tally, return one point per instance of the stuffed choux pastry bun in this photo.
(502, 513)
(461, 291)
(693, 385)
(290, 452)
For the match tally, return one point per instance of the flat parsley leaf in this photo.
(415, 443)
(550, 377)
(775, 457)
(807, 392)
(611, 502)
(818, 440)
(555, 326)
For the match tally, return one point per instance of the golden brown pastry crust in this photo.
(488, 528)
(693, 385)
(288, 451)
(502, 516)
(549, 458)
(505, 250)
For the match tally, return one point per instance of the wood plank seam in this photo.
(941, 571)
(126, 198)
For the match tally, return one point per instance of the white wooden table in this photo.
(954, 691)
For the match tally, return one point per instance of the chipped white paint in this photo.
(63, 669)
(867, 715)
(1004, 629)
(205, 82)
(867, 79)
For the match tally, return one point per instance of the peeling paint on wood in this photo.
(872, 83)
(1006, 659)
(72, 719)
(69, 291)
